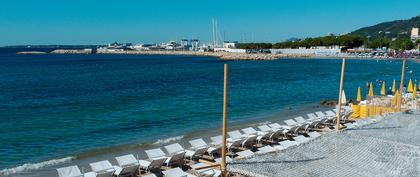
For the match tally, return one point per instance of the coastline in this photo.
(249, 56)
(47, 168)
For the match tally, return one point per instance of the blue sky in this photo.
(138, 21)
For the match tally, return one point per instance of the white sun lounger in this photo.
(286, 144)
(228, 160)
(276, 126)
(102, 168)
(176, 172)
(350, 126)
(265, 128)
(176, 153)
(70, 171)
(290, 122)
(320, 114)
(275, 132)
(300, 120)
(265, 150)
(244, 154)
(301, 139)
(330, 113)
(207, 172)
(314, 135)
(261, 135)
(238, 140)
(312, 117)
(198, 148)
(157, 158)
(127, 165)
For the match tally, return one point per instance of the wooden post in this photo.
(224, 126)
(399, 100)
(340, 94)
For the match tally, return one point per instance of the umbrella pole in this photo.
(224, 125)
(340, 94)
(399, 101)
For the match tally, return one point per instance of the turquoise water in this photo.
(53, 106)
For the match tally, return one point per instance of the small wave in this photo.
(34, 166)
(168, 140)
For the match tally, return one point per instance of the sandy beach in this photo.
(387, 148)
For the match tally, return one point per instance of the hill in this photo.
(392, 29)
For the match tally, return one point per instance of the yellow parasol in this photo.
(415, 91)
(410, 87)
(383, 88)
(370, 90)
(359, 96)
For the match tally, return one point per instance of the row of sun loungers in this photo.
(244, 143)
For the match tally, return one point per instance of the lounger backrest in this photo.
(157, 163)
(155, 153)
(175, 172)
(249, 141)
(101, 166)
(130, 169)
(330, 113)
(275, 126)
(320, 114)
(300, 139)
(198, 143)
(250, 131)
(235, 134)
(216, 140)
(71, 171)
(300, 120)
(174, 148)
(312, 116)
(126, 160)
(265, 128)
(177, 157)
(290, 122)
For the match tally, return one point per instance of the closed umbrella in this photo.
(410, 87)
(370, 90)
(383, 88)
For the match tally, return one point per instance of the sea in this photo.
(61, 110)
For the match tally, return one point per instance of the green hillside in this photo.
(392, 29)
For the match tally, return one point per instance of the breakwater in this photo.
(220, 55)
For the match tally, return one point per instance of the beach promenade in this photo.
(389, 147)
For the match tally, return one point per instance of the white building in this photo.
(414, 33)
(230, 45)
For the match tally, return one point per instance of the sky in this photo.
(24, 22)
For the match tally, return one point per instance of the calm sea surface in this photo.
(54, 106)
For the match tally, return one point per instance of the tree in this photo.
(378, 43)
(402, 44)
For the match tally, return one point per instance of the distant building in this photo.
(414, 33)
(230, 45)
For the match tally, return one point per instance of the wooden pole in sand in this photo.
(399, 100)
(340, 94)
(224, 126)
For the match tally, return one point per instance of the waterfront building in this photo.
(231, 45)
(414, 34)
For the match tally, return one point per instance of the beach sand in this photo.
(387, 148)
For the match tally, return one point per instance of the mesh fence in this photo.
(388, 148)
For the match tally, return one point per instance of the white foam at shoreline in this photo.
(34, 166)
(168, 140)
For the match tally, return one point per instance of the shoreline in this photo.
(48, 166)
(249, 56)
